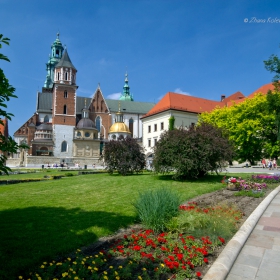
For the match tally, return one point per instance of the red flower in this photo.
(205, 260)
(198, 274)
(221, 239)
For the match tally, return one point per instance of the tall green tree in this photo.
(192, 153)
(7, 144)
(251, 127)
(124, 155)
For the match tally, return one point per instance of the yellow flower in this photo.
(120, 266)
(105, 260)
(139, 277)
(96, 269)
(44, 262)
(20, 277)
(76, 278)
(105, 277)
(105, 272)
(118, 277)
(93, 262)
(82, 262)
(74, 262)
(144, 268)
(42, 266)
(101, 253)
(69, 259)
(162, 265)
(89, 267)
(64, 274)
(51, 264)
(59, 264)
(96, 256)
(110, 266)
(78, 250)
(116, 273)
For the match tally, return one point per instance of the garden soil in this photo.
(224, 197)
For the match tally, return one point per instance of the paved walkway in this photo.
(260, 256)
(254, 251)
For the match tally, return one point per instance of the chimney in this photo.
(223, 97)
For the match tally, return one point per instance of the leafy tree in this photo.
(7, 144)
(124, 155)
(250, 125)
(192, 153)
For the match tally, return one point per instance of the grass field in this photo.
(41, 221)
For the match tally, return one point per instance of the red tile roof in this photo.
(189, 103)
(198, 105)
(263, 89)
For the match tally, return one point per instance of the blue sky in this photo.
(202, 48)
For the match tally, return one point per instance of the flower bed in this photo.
(243, 185)
(144, 254)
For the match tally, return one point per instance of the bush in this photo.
(156, 207)
(192, 153)
(124, 155)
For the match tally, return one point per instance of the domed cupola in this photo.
(86, 126)
(119, 128)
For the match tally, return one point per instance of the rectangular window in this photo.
(161, 126)
(155, 127)
(149, 142)
(155, 141)
(149, 129)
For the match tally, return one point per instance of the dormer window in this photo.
(66, 76)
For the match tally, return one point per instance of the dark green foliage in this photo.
(192, 153)
(7, 144)
(125, 156)
(157, 207)
(171, 122)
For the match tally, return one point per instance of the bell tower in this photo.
(64, 105)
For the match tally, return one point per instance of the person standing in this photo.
(263, 163)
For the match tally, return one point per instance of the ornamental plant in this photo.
(156, 207)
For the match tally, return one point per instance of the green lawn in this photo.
(43, 220)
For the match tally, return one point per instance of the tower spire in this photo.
(126, 95)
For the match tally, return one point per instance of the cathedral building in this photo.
(67, 127)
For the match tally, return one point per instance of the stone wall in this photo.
(37, 161)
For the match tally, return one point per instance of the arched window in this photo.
(58, 76)
(65, 94)
(131, 126)
(66, 76)
(46, 118)
(64, 109)
(64, 146)
(97, 123)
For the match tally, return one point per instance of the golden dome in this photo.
(119, 127)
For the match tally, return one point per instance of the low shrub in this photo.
(251, 193)
(156, 207)
(220, 220)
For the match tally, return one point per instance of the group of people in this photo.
(270, 163)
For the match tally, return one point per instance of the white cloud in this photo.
(115, 96)
(178, 90)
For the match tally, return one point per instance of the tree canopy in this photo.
(124, 155)
(192, 153)
(7, 144)
(251, 126)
